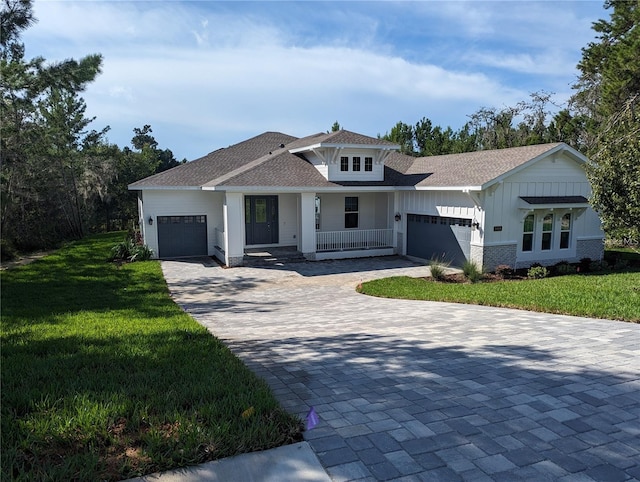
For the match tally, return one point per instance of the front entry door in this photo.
(261, 219)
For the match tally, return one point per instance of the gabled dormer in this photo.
(345, 155)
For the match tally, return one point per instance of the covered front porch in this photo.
(318, 226)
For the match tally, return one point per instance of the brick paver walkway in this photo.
(409, 390)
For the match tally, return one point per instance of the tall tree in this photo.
(608, 96)
(25, 87)
(403, 135)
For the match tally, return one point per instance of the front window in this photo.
(344, 163)
(368, 164)
(547, 232)
(317, 213)
(527, 236)
(350, 212)
(356, 163)
(565, 231)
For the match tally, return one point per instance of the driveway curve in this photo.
(414, 390)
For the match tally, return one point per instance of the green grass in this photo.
(614, 296)
(105, 378)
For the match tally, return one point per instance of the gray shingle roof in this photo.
(261, 161)
(474, 168)
(217, 163)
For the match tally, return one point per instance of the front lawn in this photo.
(105, 378)
(614, 296)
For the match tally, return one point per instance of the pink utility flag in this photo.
(312, 418)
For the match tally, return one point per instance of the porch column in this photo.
(308, 225)
(233, 229)
(398, 226)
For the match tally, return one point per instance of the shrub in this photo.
(471, 271)
(585, 265)
(141, 252)
(537, 272)
(437, 268)
(598, 266)
(621, 264)
(129, 250)
(563, 267)
(504, 271)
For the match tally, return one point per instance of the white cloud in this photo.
(206, 74)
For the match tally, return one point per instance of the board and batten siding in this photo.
(168, 202)
(558, 175)
(438, 203)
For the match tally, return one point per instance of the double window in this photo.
(545, 233)
(351, 212)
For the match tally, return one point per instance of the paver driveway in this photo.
(414, 390)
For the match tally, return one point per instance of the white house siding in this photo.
(502, 228)
(373, 210)
(288, 219)
(167, 202)
(329, 167)
(318, 163)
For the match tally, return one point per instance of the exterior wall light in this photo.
(150, 221)
(475, 224)
(398, 216)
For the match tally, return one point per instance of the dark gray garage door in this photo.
(182, 236)
(432, 237)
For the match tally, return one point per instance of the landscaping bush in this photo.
(585, 265)
(471, 271)
(598, 266)
(504, 271)
(537, 272)
(437, 268)
(129, 250)
(563, 267)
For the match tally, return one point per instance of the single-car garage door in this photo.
(437, 237)
(182, 236)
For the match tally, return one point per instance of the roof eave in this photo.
(449, 188)
(133, 187)
(384, 147)
(577, 157)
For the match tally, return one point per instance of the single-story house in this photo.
(346, 195)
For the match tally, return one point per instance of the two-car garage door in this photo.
(437, 237)
(181, 236)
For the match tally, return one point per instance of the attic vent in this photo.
(281, 146)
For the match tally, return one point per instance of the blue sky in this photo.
(209, 74)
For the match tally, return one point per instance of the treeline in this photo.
(59, 179)
(526, 123)
(601, 120)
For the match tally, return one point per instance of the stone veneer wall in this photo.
(590, 248)
(498, 254)
(235, 261)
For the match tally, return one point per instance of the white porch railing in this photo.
(220, 240)
(353, 239)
